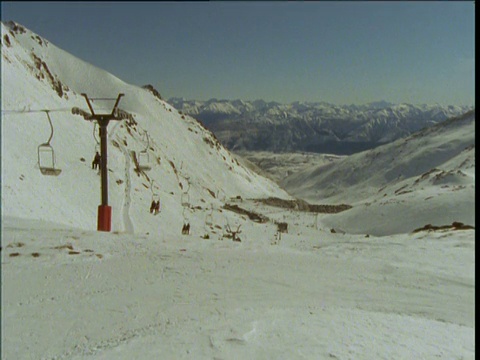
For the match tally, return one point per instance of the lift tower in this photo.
(104, 210)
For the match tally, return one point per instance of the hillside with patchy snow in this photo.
(431, 173)
(185, 158)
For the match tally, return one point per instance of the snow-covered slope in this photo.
(37, 75)
(151, 293)
(317, 295)
(426, 177)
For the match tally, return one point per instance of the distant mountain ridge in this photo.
(399, 182)
(312, 126)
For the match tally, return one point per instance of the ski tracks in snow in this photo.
(127, 221)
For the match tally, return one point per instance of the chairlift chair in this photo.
(144, 161)
(185, 199)
(209, 218)
(143, 157)
(155, 199)
(186, 223)
(185, 196)
(46, 160)
(46, 155)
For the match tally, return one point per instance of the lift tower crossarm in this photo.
(88, 103)
(116, 104)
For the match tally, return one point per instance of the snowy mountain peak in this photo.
(186, 160)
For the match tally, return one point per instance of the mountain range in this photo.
(312, 126)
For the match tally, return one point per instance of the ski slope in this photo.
(144, 291)
(180, 151)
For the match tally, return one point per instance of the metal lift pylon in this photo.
(104, 210)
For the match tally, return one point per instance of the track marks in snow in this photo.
(91, 349)
(127, 221)
(219, 301)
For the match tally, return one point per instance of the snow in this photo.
(426, 178)
(316, 295)
(180, 149)
(144, 291)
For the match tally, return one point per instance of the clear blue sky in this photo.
(341, 52)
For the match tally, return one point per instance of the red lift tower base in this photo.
(104, 222)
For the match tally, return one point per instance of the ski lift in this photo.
(155, 196)
(144, 158)
(186, 224)
(144, 161)
(186, 197)
(155, 207)
(209, 218)
(46, 155)
(156, 199)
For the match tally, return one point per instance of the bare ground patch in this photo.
(455, 226)
(251, 214)
(302, 205)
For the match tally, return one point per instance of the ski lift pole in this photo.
(103, 123)
(104, 210)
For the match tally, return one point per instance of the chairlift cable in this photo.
(188, 183)
(148, 141)
(51, 127)
(94, 128)
(185, 218)
(155, 196)
(99, 98)
(34, 111)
